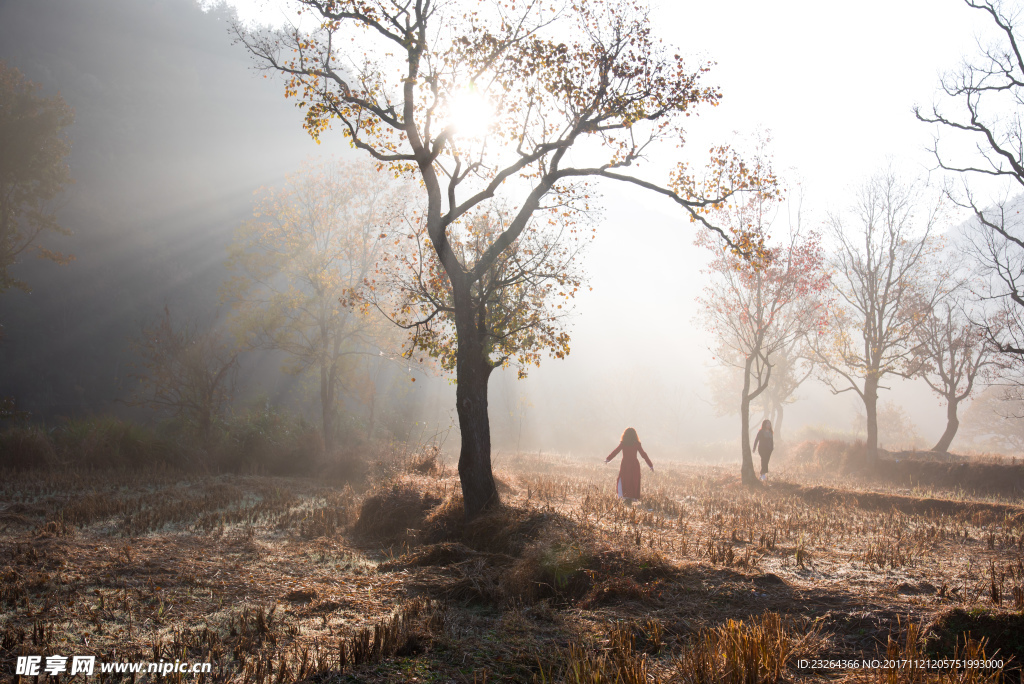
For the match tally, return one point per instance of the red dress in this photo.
(628, 484)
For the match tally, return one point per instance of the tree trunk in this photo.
(373, 415)
(206, 424)
(777, 423)
(472, 371)
(952, 425)
(871, 408)
(747, 469)
(327, 407)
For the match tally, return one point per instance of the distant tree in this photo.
(895, 426)
(297, 269)
(953, 353)
(995, 419)
(758, 309)
(187, 370)
(530, 102)
(33, 170)
(885, 285)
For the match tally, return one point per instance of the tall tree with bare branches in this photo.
(885, 289)
(982, 113)
(523, 104)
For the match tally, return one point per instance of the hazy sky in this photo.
(835, 82)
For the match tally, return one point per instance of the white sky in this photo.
(835, 83)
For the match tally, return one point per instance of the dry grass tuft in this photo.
(301, 595)
(393, 509)
(426, 463)
(757, 652)
(911, 649)
(445, 553)
(572, 569)
(1002, 633)
(406, 632)
(507, 529)
(741, 652)
(617, 660)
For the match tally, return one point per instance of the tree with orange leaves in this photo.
(523, 105)
(523, 301)
(761, 309)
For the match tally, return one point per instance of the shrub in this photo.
(112, 443)
(267, 441)
(27, 447)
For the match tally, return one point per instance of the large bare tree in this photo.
(885, 288)
(527, 102)
(954, 352)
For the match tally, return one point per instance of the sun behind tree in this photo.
(589, 78)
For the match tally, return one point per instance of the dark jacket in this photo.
(764, 442)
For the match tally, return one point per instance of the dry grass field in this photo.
(705, 580)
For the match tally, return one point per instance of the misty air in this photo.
(484, 341)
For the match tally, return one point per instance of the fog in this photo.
(175, 132)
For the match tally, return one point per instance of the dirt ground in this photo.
(285, 579)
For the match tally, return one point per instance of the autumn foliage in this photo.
(524, 299)
(762, 309)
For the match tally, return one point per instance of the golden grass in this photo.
(277, 579)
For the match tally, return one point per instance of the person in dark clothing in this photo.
(764, 442)
(628, 484)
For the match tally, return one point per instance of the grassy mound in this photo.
(393, 509)
(1003, 633)
(511, 555)
(505, 530)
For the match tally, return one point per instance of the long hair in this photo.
(629, 437)
(767, 425)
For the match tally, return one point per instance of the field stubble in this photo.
(275, 579)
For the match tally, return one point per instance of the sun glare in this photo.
(471, 113)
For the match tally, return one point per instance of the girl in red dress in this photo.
(628, 485)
